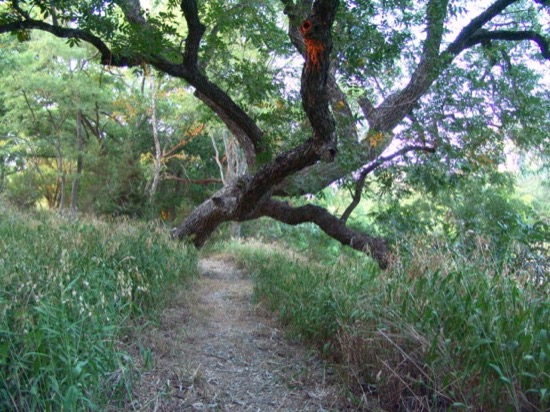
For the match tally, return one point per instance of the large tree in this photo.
(451, 79)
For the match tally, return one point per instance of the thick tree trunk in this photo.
(205, 219)
(240, 198)
(249, 197)
(224, 206)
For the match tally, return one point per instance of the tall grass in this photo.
(68, 290)
(437, 331)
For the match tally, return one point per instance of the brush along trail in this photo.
(215, 350)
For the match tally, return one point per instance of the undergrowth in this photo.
(69, 290)
(437, 331)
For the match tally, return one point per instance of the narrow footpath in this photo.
(214, 350)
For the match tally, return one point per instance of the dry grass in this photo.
(213, 349)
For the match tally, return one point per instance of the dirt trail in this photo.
(218, 352)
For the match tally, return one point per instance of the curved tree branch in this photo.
(196, 31)
(482, 36)
(242, 199)
(107, 56)
(397, 106)
(360, 183)
(314, 178)
(331, 225)
(241, 124)
(458, 45)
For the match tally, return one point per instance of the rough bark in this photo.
(318, 176)
(331, 225)
(316, 32)
(250, 197)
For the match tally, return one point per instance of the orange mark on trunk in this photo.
(314, 47)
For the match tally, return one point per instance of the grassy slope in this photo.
(436, 331)
(68, 290)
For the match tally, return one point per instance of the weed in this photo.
(439, 330)
(69, 288)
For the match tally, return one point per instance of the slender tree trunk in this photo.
(79, 164)
(2, 175)
(236, 166)
(62, 186)
(158, 154)
(62, 183)
(218, 159)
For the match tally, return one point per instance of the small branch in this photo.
(53, 12)
(18, 9)
(483, 36)
(29, 105)
(172, 152)
(458, 45)
(193, 181)
(366, 107)
(107, 57)
(383, 159)
(360, 184)
(91, 127)
(217, 158)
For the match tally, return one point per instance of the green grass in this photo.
(69, 290)
(438, 331)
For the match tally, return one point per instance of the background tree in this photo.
(446, 77)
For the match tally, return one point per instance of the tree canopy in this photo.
(444, 84)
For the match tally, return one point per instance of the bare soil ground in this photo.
(214, 350)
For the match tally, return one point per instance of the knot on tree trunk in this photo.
(327, 151)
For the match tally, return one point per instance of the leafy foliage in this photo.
(39, 130)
